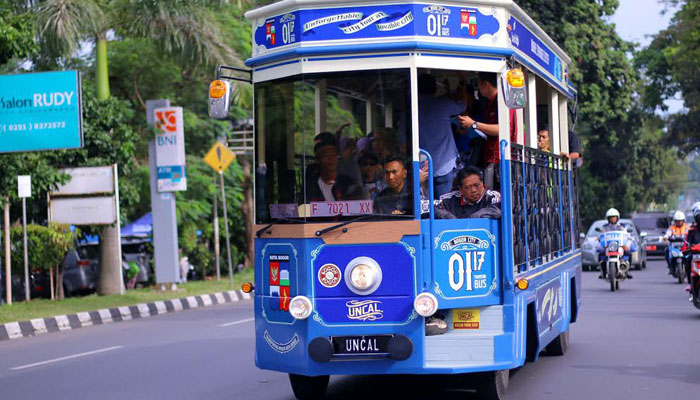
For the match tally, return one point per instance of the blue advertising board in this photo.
(40, 111)
(372, 22)
(525, 41)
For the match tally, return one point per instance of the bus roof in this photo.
(292, 29)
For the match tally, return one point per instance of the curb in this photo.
(59, 323)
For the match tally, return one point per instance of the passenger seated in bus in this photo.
(435, 131)
(328, 184)
(488, 90)
(396, 198)
(385, 143)
(543, 139)
(371, 175)
(348, 164)
(472, 200)
(313, 169)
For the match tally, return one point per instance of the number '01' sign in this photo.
(463, 269)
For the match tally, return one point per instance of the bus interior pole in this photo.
(228, 238)
(217, 244)
(26, 257)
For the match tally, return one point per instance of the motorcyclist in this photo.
(677, 232)
(613, 217)
(692, 238)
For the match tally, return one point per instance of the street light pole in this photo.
(27, 296)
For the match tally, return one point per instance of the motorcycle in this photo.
(677, 259)
(613, 259)
(695, 275)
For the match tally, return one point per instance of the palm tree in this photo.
(185, 29)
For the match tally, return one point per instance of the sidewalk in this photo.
(16, 330)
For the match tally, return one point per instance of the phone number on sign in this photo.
(36, 126)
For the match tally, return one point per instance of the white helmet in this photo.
(612, 213)
(696, 208)
(679, 216)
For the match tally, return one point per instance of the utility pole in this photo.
(228, 238)
(217, 244)
(8, 273)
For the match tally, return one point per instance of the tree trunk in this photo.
(51, 281)
(110, 262)
(102, 78)
(247, 210)
(60, 295)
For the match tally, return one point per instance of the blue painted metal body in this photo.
(466, 264)
(281, 342)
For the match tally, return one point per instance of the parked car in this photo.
(655, 225)
(81, 269)
(591, 241)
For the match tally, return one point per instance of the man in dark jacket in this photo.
(327, 184)
(472, 200)
(396, 198)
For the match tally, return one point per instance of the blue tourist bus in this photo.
(345, 287)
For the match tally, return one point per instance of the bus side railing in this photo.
(545, 207)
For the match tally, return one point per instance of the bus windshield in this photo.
(333, 146)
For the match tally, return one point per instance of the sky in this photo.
(636, 19)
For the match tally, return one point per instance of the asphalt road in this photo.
(641, 342)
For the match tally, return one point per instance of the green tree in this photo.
(16, 34)
(620, 136)
(46, 249)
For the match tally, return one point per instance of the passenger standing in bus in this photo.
(472, 200)
(488, 90)
(435, 131)
(371, 175)
(396, 198)
(327, 184)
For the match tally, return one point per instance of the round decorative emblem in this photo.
(329, 275)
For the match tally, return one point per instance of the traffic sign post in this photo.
(24, 190)
(219, 157)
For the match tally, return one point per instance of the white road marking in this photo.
(243, 321)
(65, 358)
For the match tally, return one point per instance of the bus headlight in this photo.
(300, 307)
(363, 275)
(425, 304)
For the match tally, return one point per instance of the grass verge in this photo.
(41, 308)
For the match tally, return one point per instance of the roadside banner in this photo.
(170, 149)
(40, 111)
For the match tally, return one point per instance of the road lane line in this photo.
(88, 353)
(243, 321)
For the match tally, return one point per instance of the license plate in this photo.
(361, 345)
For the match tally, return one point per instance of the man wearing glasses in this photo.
(472, 200)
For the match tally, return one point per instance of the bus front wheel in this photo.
(494, 385)
(309, 387)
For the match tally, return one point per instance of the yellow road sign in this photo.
(219, 157)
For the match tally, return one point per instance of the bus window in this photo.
(324, 144)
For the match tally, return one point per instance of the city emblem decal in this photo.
(329, 275)
(280, 294)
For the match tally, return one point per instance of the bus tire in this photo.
(494, 385)
(309, 387)
(559, 345)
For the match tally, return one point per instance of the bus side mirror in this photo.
(643, 235)
(581, 235)
(219, 99)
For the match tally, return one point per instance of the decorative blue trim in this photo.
(356, 57)
(412, 45)
(278, 65)
(506, 221)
